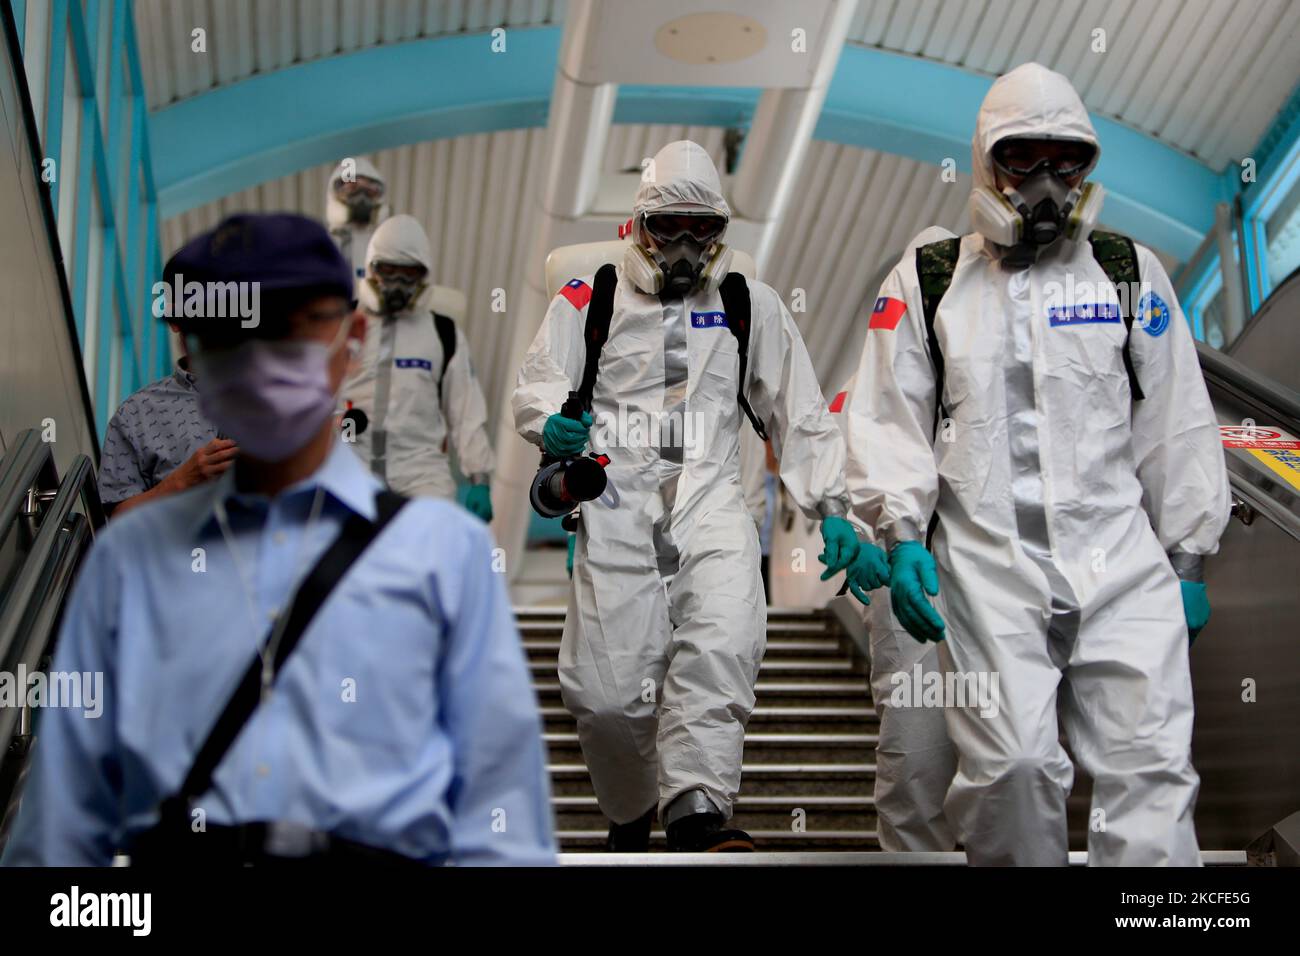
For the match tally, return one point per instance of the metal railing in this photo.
(1269, 404)
(39, 511)
(1274, 402)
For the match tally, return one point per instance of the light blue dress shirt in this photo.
(405, 718)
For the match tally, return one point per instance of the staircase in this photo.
(810, 744)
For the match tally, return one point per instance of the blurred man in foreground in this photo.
(299, 664)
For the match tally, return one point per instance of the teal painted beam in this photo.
(19, 8)
(927, 111)
(132, 268)
(275, 124)
(105, 402)
(54, 96)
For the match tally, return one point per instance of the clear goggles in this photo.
(405, 274)
(359, 187)
(1024, 157)
(670, 227)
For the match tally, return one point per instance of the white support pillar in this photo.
(576, 130)
(778, 140)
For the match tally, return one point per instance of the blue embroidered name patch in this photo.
(414, 363)
(1083, 313)
(708, 320)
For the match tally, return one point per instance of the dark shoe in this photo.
(705, 833)
(631, 837)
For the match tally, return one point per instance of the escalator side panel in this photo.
(1248, 753)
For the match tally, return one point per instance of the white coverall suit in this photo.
(915, 760)
(353, 238)
(1063, 507)
(666, 623)
(395, 381)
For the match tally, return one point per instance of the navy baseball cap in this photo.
(270, 262)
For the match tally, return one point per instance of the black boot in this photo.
(705, 833)
(631, 837)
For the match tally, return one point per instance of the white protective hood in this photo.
(336, 213)
(1031, 100)
(682, 178)
(400, 240)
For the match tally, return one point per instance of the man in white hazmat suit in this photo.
(666, 622)
(413, 391)
(1060, 434)
(354, 208)
(915, 760)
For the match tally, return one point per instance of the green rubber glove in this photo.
(568, 562)
(1196, 607)
(563, 437)
(912, 576)
(869, 570)
(479, 502)
(841, 545)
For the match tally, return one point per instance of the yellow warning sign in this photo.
(1283, 462)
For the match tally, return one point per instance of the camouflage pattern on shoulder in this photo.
(1116, 255)
(935, 264)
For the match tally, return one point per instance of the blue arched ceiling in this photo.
(277, 123)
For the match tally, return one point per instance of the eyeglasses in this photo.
(669, 227)
(1023, 157)
(223, 334)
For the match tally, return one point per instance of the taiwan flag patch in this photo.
(887, 313)
(577, 292)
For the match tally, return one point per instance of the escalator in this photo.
(1246, 665)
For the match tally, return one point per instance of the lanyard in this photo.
(267, 651)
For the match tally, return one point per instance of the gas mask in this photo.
(1043, 208)
(362, 200)
(678, 253)
(396, 292)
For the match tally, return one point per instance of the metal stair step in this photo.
(807, 719)
(747, 801)
(757, 779)
(776, 839)
(760, 747)
(852, 811)
(785, 692)
(809, 771)
(829, 667)
(548, 648)
(804, 688)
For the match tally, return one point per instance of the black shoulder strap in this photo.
(935, 264)
(447, 335)
(1117, 257)
(596, 332)
(735, 302)
(356, 536)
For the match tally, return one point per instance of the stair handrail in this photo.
(1275, 400)
(32, 604)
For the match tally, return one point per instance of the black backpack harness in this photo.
(735, 303)
(446, 329)
(936, 263)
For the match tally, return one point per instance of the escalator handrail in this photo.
(1278, 401)
(55, 582)
(77, 485)
(20, 471)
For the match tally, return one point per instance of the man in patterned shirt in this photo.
(158, 444)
